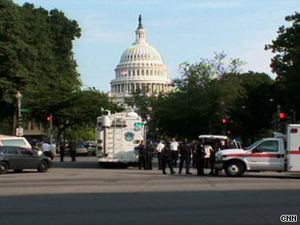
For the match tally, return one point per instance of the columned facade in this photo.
(140, 68)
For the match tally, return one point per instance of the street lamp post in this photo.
(19, 130)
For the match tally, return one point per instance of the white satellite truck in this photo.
(279, 154)
(118, 135)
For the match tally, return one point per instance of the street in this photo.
(81, 193)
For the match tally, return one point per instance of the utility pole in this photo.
(19, 129)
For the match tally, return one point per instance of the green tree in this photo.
(12, 50)
(199, 100)
(286, 62)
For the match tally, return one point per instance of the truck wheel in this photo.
(234, 169)
(3, 167)
(43, 166)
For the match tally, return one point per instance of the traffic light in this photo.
(282, 116)
(224, 120)
(49, 118)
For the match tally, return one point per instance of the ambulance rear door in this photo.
(293, 147)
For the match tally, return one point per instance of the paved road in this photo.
(81, 194)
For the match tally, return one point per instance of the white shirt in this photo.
(174, 146)
(207, 149)
(46, 147)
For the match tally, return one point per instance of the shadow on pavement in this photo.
(262, 207)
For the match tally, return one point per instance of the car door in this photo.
(28, 158)
(13, 157)
(266, 156)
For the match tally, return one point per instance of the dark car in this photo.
(19, 158)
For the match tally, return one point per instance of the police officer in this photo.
(141, 151)
(159, 149)
(185, 153)
(166, 158)
(72, 149)
(148, 156)
(200, 156)
(62, 150)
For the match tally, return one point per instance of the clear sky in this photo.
(182, 30)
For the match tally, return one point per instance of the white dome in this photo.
(140, 68)
(141, 52)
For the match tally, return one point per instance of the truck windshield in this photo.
(253, 145)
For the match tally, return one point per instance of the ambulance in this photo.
(268, 154)
(118, 136)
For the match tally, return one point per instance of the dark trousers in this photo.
(200, 166)
(62, 154)
(49, 154)
(141, 161)
(167, 161)
(159, 160)
(148, 161)
(213, 171)
(187, 161)
(73, 155)
(174, 156)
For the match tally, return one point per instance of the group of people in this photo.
(199, 154)
(49, 149)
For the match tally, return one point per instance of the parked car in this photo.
(81, 150)
(92, 150)
(19, 158)
(6, 140)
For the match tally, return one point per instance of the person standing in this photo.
(141, 151)
(62, 150)
(166, 159)
(174, 151)
(159, 149)
(200, 155)
(72, 149)
(212, 159)
(185, 156)
(218, 146)
(46, 148)
(148, 156)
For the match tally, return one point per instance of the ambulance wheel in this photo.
(235, 169)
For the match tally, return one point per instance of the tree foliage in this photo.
(206, 92)
(36, 58)
(286, 62)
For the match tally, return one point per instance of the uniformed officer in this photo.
(141, 151)
(148, 156)
(185, 153)
(166, 158)
(200, 156)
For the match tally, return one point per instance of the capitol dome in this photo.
(139, 52)
(141, 67)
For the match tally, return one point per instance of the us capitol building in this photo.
(140, 68)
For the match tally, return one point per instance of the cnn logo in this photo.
(288, 218)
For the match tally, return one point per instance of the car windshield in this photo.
(14, 142)
(253, 145)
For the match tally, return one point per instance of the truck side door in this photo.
(267, 155)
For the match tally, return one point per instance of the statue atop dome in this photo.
(140, 22)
